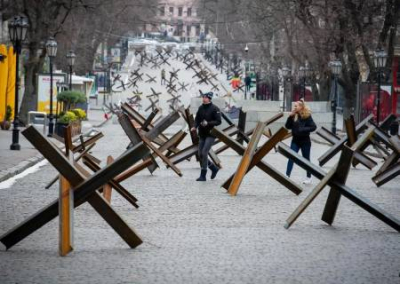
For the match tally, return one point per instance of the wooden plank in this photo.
(341, 173)
(162, 125)
(149, 119)
(68, 140)
(107, 189)
(65, 217)
(241, 126)
(387, 175)
(91, 140)
(246, 159)
(190, 120)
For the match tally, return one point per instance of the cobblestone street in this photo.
(196, 233)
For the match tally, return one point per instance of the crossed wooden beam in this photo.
(87, 142)
(183, 86)
(338, 143)
(136, 137)
(336, 179)
(80, 189)
(391, 165)
(174, 73)
(151, 79)
(253, 156)
(156, 133)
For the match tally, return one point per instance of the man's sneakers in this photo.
(307, 181)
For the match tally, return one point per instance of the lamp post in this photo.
(228, 69)
(17, 27)
(221, 58)
(302, 74)
(71, 61)
(287, 94)
(336, 68)
(51, 50)
(380, 64)
(216, 53)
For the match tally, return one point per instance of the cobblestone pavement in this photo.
(196, 233)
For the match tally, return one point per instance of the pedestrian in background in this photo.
(163, 80)
(301, 123)
(247, 81)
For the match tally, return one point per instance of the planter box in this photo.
(76, 128)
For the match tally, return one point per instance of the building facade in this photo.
(178, 18)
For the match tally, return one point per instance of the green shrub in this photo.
(80, 113)
(67, 117)
(70, 98)
(8, 115)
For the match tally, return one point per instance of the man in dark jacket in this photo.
(208, 116)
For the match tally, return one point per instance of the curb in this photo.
(11, 172)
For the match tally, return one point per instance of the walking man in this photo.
(208, 116)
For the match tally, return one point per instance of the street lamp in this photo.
(246, 48)
(380, 64)
(51, 50)
(71, 61)
(302, 74)
(17, 28)
(228, 69)
(286, 73)
(336, 68)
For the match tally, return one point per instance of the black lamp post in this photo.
(216, 54)
(17, 27)
(302, 74)
(228, 69)
(336, 68)
(221, 58)
(380, 64)
(287, 100)
(51, 49)
(71, 61)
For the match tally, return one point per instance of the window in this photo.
(162, 11)
(171, 10)
(180, 11)
(189, 12)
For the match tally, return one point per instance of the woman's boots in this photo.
(214, 170)
(202, 176)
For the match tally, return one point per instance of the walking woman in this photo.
(301, 124)
(207, 117)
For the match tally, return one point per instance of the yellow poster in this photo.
(44, 91)
(3, 81)
(12, 58)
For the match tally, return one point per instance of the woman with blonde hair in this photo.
(301, 123)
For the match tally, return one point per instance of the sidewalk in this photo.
(15, 162)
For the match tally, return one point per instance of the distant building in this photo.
(178, 18)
